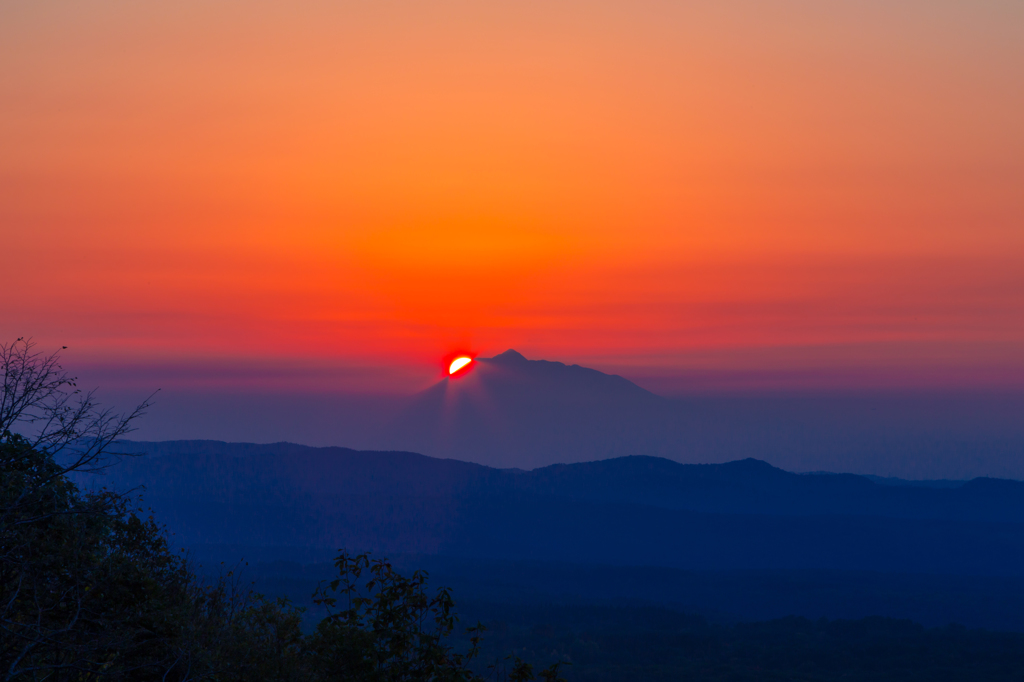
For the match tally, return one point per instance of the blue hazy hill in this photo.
(741, 538)
(510, 411)
(635, 510)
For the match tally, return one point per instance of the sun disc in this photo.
(458, 363)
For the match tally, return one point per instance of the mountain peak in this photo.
(511, 411)
(509, 357)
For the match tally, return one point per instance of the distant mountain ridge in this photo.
(636, 510)
(510, 411)
(575, 376)
(747, 486)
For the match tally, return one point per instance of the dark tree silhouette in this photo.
(41, 402)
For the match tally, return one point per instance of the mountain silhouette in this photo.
(635, 510)
(510, 411)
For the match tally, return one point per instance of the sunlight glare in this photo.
(458, 363)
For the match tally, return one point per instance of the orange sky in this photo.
(668, 190)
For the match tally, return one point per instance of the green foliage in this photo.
(90, 591)
(389, 628)
(85, 585)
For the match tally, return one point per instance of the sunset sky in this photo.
(337, 195)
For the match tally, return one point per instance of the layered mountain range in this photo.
(508, 411)
(625, 511)
(627, 515)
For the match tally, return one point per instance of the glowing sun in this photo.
(458, 363)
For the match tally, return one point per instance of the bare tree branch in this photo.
(41, 402)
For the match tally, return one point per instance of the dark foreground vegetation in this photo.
(616, 639)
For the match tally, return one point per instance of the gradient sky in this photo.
(335, 195)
